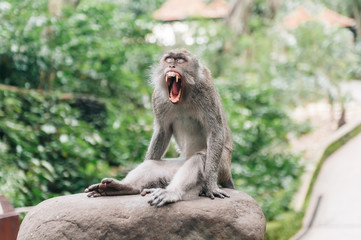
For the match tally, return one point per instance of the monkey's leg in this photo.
(150, 173)
(188, 178)
(224, 172)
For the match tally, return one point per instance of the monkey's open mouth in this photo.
(174, 83)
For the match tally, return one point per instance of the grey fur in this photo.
(199, 126)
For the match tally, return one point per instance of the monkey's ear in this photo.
(207, 73)
(202, 73)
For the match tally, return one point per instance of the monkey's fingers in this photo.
(159, 201)
(215, 193)
(91, 188)
(155, 201)
(162, 203)
(106, 183)
(94, 194)
(207, 194)
(221, 194)
(107, 180)
(166, 200)
(210, 195)
(157, 196)
(147, 191)
(102, 187)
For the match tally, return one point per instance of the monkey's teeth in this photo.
(172, 74)
(176, 78)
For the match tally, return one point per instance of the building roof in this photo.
(301, 15)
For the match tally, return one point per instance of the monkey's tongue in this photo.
(175, 92)
(175, 89)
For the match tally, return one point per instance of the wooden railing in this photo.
(9, 220)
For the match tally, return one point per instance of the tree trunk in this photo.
(357, 15)
(238, 15)
(55, 6)
(274, 5)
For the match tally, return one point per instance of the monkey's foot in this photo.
(110, 187)
(216, 192)
(160, 197)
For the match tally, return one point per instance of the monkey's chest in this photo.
(190, 135)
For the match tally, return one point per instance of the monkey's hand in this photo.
(110, 187)
(160, 197)
(212, 192)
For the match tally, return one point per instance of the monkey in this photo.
(186, 106)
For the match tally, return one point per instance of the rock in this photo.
(131, 217)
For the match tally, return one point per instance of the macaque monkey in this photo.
(186, 106)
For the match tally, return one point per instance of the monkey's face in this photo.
(176, 66)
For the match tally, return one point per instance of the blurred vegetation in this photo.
(79, 108)
(98, 56)
(46, 148)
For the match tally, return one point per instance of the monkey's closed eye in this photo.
(169, 60)
(180, 60)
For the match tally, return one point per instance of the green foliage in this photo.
(46, 149)
(300, 65)
(51, 145)
(128, 132)
(84, 51)
(257, 96)
(285, 226)
(262, 14)
(259, 129)
(261, 76)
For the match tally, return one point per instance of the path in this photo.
(334, 211)
(325, 131)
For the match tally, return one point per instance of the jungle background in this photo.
(75, 98)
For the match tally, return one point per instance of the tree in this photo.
(244, 11)
(238, 15)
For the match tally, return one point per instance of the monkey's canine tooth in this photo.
(176, 78)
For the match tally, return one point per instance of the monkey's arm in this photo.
(159, 142)
(215, 145)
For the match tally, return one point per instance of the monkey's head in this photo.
(176, 72)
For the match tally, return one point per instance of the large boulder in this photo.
(131, 217)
